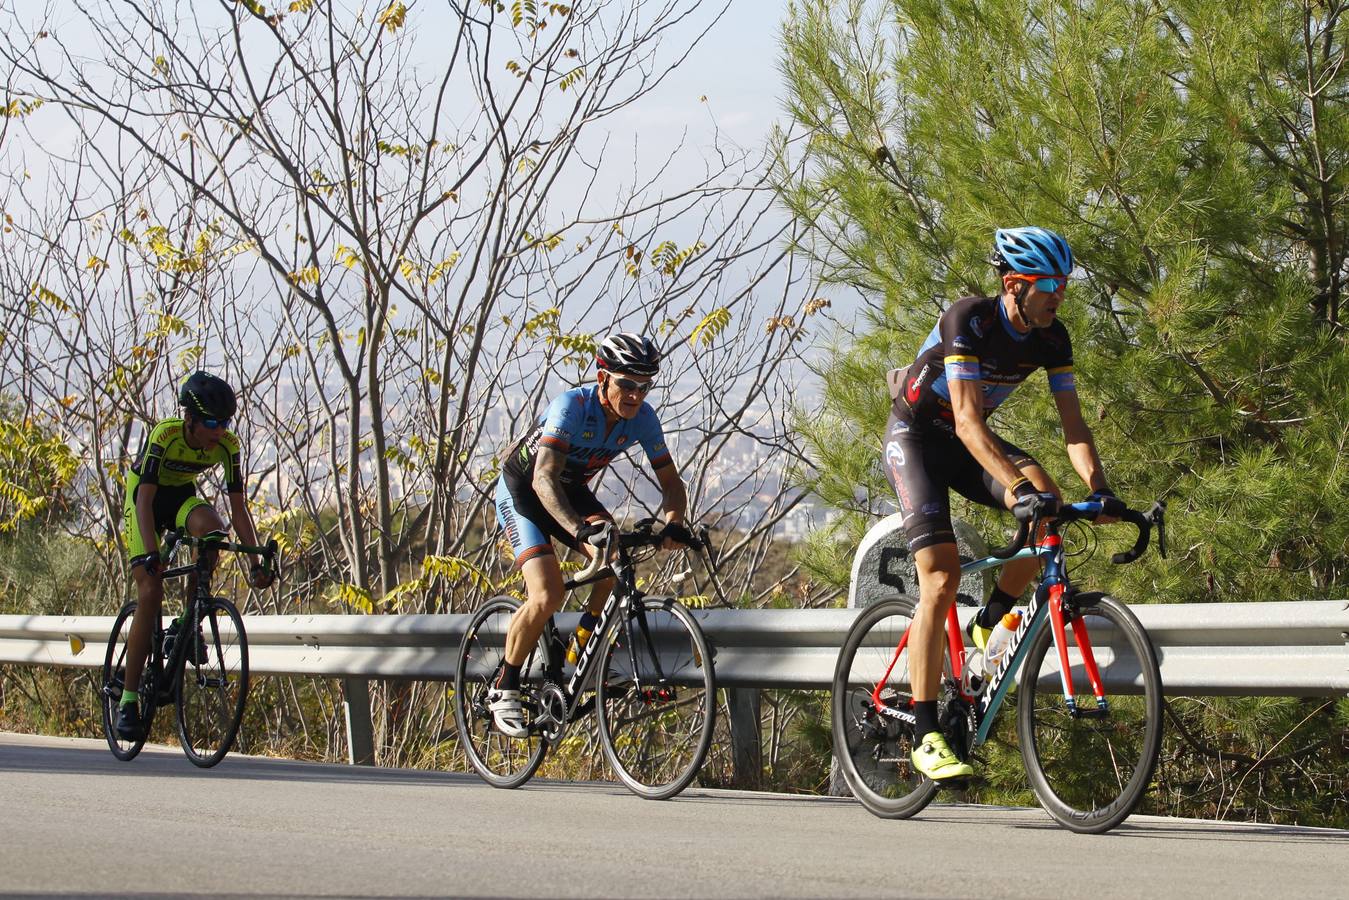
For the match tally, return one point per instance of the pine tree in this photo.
(1194, 154)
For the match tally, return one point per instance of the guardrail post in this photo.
(746, 744)
(360, 733)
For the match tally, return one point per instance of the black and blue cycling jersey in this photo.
(575, 426)
(924, 459)
(975, 341)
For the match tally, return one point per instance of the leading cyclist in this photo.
(938, 439)
(161, 494)
(543, 495)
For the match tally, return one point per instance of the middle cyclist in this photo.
(543, 494)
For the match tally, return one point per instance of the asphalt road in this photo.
(75, 822)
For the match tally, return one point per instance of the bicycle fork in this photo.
(657, 690)
(1059, 617)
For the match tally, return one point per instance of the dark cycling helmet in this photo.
(207, 396)
(628, 353)
(1031, 251)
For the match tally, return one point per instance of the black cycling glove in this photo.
(153, 563)
(676, 532)
(1033, 506)
(1110, 504)
(590, 530)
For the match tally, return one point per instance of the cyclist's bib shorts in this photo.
(924, 468)
(172, 506)
(530, 527)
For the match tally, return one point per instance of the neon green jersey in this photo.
(165, 459)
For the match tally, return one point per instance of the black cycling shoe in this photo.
(129, 725)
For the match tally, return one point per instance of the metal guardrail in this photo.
(1236, 649)
(1240, 649)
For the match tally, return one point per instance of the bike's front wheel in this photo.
(656, 698)
(113, 682)
(1090, 763)
(873, 738)
(501, 761)
(214, 685)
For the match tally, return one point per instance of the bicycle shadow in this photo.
(1150, 828)
(86, 756)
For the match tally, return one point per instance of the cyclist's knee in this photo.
(205, 519)
(149, 591)
(938, 574)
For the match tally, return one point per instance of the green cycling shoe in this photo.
(934, 758)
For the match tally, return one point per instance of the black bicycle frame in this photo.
(626, 593)
(193, 604)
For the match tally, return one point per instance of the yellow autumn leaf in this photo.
(713, 324)
(394, 16)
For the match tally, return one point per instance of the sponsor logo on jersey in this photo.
(977, 326)
(931, 509)
(916, 385)
(894, 454)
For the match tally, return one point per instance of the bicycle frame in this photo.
(192, 603)
(625, 597)
(1046, 605)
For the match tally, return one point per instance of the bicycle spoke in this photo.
(873, 749)
(113, 682)
(212, 693)
(500, 760)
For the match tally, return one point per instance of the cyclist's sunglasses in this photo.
(1049, 284)
(215, 423)
(627, 384)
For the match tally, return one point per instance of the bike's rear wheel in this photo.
(212, 693)
(113, 682)
(501, 761)
(1091, 770)
(872, 748)
(656, 727)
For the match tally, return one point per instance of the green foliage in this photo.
(46, 573)
(36, 469)
(1172, 148)
(1195, 157)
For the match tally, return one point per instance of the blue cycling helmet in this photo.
(1031, 251)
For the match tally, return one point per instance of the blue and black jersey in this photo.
(975, 341)
(574, 425)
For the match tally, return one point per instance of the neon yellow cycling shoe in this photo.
(934, 758)
(978, 635)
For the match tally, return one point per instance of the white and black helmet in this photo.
(628, 353)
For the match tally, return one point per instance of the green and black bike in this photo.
(204, 671)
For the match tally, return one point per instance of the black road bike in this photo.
(646, 672)
(204, 674)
